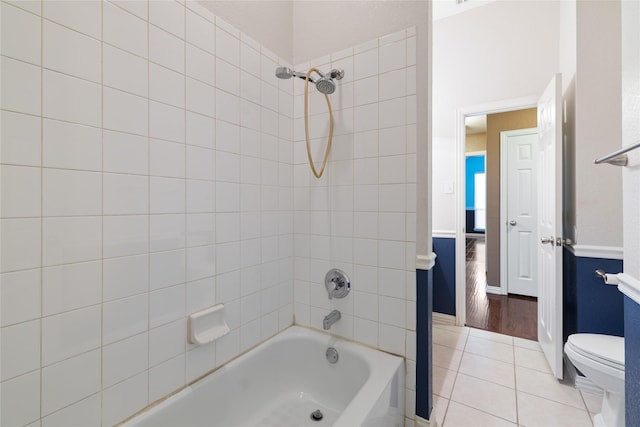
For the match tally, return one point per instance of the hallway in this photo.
(505, 314)
(482, 378)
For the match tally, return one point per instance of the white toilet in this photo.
(601, 359)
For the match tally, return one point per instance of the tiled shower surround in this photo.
(152, 165)
(360, 216)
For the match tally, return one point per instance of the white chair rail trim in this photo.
(630, 286)
(425, 262)
(606, 252)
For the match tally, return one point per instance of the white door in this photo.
(550, 224)
(521, 149)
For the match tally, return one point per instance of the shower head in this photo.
(324, 84)
(284, 73)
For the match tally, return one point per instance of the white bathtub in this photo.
(280, 382)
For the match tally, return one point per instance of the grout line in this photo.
(41, 388)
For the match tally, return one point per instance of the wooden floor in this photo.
(505, 314)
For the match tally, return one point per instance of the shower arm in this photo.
(303, 76)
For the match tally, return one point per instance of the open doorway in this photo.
(498, 201)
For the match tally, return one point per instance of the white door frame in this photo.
(503, 289)
(489, 108)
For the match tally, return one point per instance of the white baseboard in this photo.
(421, 422)
(443, 319)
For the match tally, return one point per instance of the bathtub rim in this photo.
(356, 411)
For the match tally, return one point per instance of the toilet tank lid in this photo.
(607, 347)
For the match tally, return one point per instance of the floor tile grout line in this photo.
(555, 401)
(515, 384)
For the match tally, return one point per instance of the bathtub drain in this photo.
(316, 415)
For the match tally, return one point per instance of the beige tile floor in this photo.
(482, 378)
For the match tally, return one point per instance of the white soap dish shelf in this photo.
(207, 325)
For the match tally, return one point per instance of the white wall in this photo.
(597, 123)
(631, 130)
(146, 169)
(503, 50)
(511, 49)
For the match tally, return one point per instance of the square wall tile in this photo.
(125, 398)
(69, 334)
(124, 30)
(168, 15)
(71, 286)
(85, 17)
(70, 381)
(125, 112)
(21, 400)
(125, 235)
(201, 65)
(21, 139)
(84, 412)
(166, 305)
(21, 191)
(21, 296)
(167, 341)
(124, 277)
(25, 42)
(124, 318)
(166, 378)
(24, 238)
(393, 56)
(71, 146)
(227, 47)
(70, 52)
(167, 232)
(71, 99)
(166, 49)
(166, 159)
(200, 32)
(20, 349)
(166, 85)
(137, 148)
(21, 87)
(125, 194)
(166, 122)
(124, 359)
(125, 71)
(71, 193)
(167, 269)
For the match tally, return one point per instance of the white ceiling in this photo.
(475, 124)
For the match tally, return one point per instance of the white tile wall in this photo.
(143, 164)
(360, 216)
(148, 170)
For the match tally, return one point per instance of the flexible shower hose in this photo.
(306, 127)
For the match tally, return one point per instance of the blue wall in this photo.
(444, 276)
(589, 304)
(632, 361)
(474, 165)
(424, 374)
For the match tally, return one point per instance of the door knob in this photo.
(545, 240)
(512, 222)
